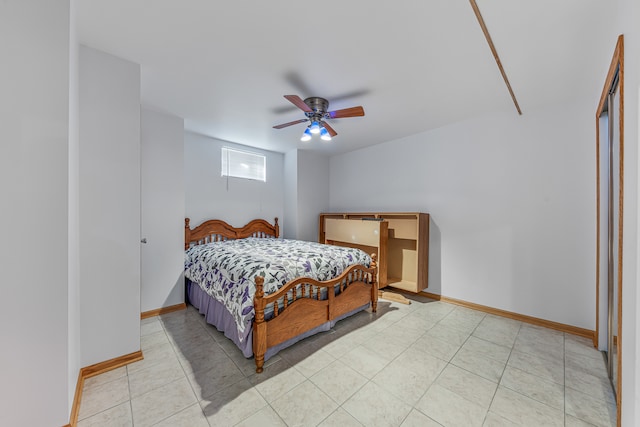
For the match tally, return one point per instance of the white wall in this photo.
(290, 229)
(306, 193)
(236, 201)
(109, 209)
(312, 193)
(162, 158)
(513, 201)
(34, 169)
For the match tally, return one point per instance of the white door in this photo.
(162, 215)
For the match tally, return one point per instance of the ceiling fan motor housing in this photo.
(318, 105)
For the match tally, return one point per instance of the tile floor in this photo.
(424, 364)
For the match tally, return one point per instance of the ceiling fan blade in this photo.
(298, 102)
(329, 129)
(284, 125)
(346, 112)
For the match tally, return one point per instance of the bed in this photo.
(264, 308)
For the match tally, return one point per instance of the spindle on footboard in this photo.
(305, 304)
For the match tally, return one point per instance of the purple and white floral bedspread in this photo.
(226, 270)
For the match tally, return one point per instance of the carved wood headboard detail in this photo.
(216, 230)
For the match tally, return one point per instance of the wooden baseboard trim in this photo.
(92, 371)
(163, 310)
(574, 330)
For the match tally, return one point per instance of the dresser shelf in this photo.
(400, 240)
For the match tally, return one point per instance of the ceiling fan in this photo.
(315, 108)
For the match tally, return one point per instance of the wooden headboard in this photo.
(215, 230)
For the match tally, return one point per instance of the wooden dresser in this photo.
(400, 239)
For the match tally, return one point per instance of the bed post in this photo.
(277, 227)
(374, 284)
(259, 325)
(187, 233)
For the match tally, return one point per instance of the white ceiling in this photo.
(413, 65)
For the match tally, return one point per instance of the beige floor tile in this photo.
(154, 355)
(487, 348)
(232, 404)
(495, 420)
(118, 416)
(151, 327)
(499, 330)
(299, 351)
(436, 347)
(195, 341)
(419, 321)
(208, 358)
(586, 408)
(373, 406)
(340, 418)
(450, 409)
(246, 366)
(265, 417)
(338, 381)
(104, 378)
(276, 380)
(525, 411)
(539, 389)
(153, 339)
(206, 383)
(539, 349)
(594, 386)
(145, 380)
(435, 310)
(409, 376)
(472, 387)
(570, 421)
(447, 334)
(418, 419)
(540, 342)
(463, 319)
(162, 402)
(479, 364)
(97, 399)
(364, 361)
(505, 338)
(305, 405)
(340, 345)
(314, 362)
(540, 334)
(387, 347)
(403, 336)
(374, 365)
(581, 345)
(549, 369)
(189, 417)
(589, 365)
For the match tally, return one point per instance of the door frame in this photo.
(616, 68)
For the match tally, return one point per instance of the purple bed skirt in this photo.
(216, 314)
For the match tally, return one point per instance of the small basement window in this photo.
(244, 164)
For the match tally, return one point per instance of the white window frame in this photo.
(243, 164)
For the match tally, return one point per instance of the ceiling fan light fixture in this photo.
(314, 127)
(324, 134)
(306, 136)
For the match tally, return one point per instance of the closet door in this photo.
(610, 198)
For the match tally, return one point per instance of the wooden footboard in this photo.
(299, 307)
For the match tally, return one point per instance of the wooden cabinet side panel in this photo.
(423, 252)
